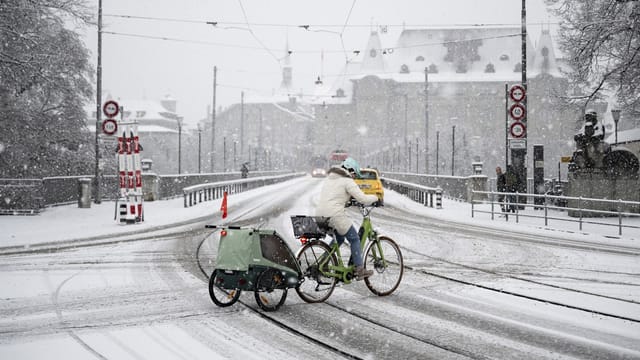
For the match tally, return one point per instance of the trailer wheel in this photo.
(271, 290)
(219, 295)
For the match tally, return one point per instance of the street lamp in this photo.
(224, 154)
(453, 148)
(437, 150)
(180, 145)
(199, 146)
(615, 112)
(235, 157)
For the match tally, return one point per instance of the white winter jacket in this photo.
(337, 190)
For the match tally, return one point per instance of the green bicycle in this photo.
(323, 267)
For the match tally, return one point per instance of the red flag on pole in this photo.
(223, 207)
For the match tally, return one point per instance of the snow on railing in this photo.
(196, 194)
(427, 196)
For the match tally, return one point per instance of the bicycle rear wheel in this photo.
(385, 259)
(314, 257)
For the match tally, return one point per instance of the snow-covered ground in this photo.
(159, 307)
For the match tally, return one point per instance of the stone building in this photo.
(381, 100)
(377, 108)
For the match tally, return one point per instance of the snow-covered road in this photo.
(468, 292)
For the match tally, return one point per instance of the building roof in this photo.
(146, 110)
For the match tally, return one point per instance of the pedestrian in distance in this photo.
(511, 183)
(245, 170)
(337, 190)
(501, 186)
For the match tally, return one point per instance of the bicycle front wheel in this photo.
(315, 260)
(383, 256)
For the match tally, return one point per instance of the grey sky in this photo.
(138, 64)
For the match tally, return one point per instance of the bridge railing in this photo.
(427, 196)
(196, 194)
(581, 210)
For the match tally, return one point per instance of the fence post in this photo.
(438, 198)
(493, 199)
(517, 206)
(619, 217)
(546, 221)
(473, 203)
(580, 211)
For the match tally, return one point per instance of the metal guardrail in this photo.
(582, 210)
(427, 196)
(196, 194)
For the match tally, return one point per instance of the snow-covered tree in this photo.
(601, 40)
(45, 78)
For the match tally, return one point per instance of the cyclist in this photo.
(337, 190)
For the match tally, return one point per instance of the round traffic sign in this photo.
(516, 111)
(518, 129)
(517, 93)
(109, 126)
(111, 108)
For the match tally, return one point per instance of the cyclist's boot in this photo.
(361, 273)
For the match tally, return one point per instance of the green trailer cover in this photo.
(242, 248)
(237, 249)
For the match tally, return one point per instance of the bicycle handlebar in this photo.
(364, 209)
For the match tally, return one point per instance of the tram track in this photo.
(272, 318)
(537, 240)
(433, 341)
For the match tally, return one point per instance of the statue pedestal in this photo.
(596, 184)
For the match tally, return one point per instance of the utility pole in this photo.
(259, 161)
(406, 130)
(97, 196)
(199, 148)
(426, 121)
(518, 156)
(453, 147)
(213, 119)
(437, 151)
(241, 123)
(179, 145)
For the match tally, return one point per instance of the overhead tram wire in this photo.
(299, 51)
(222, 24)
(256, 38)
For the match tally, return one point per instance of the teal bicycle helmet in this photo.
(350, 164)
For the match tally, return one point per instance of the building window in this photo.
(433, 69)
(545, 51)
(404, 69)
(490, 68)
(504, 57)
(420, 58)
(339, 93)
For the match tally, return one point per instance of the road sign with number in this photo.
(518, 129)
(517, 112)
(111, 108)
(109, 126)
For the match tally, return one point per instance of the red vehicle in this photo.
(337, 157)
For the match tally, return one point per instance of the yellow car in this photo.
(369, 182)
